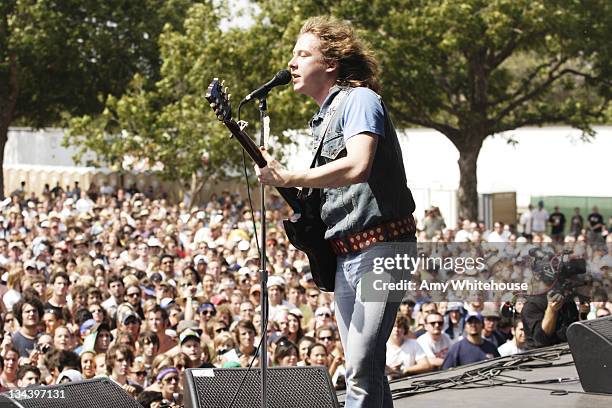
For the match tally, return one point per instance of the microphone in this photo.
(282, 77)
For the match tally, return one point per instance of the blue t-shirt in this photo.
(464, 352)
(363, 112)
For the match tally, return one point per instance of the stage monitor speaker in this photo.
(288, 387)
(96, 393)
(591, 344)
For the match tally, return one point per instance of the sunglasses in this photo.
(220, 330)
(323, 314)
(140, 373)
(326, 338)
(208, 312)
(171, 379)
(436, 323)
(133, 294)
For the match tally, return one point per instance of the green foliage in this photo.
(72, 53)
(468, 68)
(170, 127)
(61, 58)
(473, 68)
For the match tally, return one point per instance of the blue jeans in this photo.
(365, 327)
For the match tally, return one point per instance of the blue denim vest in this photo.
(384, 197)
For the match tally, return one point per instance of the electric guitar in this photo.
(305, 230)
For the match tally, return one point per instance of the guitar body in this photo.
(306, 231)
(307, 234)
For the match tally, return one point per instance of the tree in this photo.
(474, 68)
(170, 127)
(61, 58)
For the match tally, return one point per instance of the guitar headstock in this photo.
(218, 98)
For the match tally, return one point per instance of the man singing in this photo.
(364, 197)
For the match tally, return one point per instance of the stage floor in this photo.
(490, 384)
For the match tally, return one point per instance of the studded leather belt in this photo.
(386, 232)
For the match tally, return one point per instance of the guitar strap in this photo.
(326, 122)
(325, 126)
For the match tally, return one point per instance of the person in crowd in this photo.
(286, 353)
(62, 269)
(517, 344)
(546, 318)
(88, 364)
(28, 313)
(244, 334)
(28, 376)
(435, 343)
(405, 356)
(472, 347)
(158, 321)
(454, 320)
(490, 331)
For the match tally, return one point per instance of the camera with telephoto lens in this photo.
(561, 273)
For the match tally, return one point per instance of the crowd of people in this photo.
(124, 284)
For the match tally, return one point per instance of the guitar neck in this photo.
(289, 194)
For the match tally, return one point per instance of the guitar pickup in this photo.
(243, 124)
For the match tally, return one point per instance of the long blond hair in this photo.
(357, 65)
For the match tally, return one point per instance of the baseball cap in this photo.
(154, 242)
(187, 334)
(156, 277)
(454, 306)
(187, 324)
(491, 313)
(87, 324)
(30, 264)
(199, 258)
(244, 271)
(244, 245)
(165, 302)
(276, 281)
(207, 305)
(322, 310)
(473, 314)
(129, 315)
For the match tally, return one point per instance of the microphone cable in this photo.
(257, 350)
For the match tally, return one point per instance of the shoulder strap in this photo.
(305, 192)
(327, 120)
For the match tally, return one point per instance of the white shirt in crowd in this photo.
(509, 348)
(525, 222)
(434, 348)
(539, 220)
(407, 354)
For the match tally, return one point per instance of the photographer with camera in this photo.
(546, 318)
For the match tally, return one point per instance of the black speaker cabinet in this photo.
(96, 393)
(591, 344)
(288, 387)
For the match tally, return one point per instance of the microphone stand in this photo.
(263, 357)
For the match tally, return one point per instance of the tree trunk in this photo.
(7, 105)
(467, 194)
(3, 139)
(195, 187)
